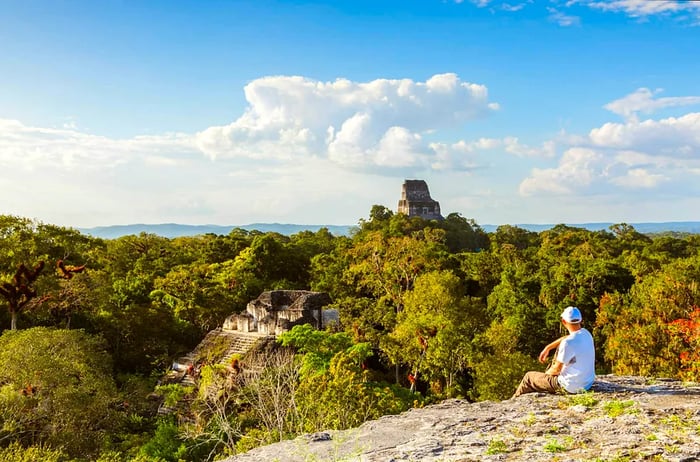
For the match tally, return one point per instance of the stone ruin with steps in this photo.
(272, 313)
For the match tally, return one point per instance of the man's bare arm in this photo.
(545, 352)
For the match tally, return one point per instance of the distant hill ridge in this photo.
(172, 230)
(176, 230)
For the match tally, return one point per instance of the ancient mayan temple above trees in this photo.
(416, 201)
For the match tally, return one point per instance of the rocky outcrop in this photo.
(622, 419)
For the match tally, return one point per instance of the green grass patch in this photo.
(530, 420)
(496, 447)
(587, 399)
(679, 422)
(554, 445)
(616, 408)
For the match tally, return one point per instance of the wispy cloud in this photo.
(642, 8)
(563, 19)
(645, 101)
(687, 11)
(637, 178)
(464, 155)
(559, 11)
(28, 147)
(515, 7)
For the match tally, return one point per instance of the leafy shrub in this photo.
(166, 444)
(58, 389)
(16, 453)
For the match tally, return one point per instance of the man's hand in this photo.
(555, 368)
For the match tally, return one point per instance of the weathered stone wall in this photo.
(276, 311)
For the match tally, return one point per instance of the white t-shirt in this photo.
(577, 354)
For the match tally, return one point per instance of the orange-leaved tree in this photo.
(687, 336)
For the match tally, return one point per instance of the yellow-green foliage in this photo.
(58, 389)
(496, 447)
(173, 393)
(433, 331)
(215, 351)
(343, 397)
(255, 437)
(497, 375)
(616, 408)
(587, 399)
(335, 391)
(554, 445)
(16, 453)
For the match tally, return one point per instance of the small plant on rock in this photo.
(616, 408)
(554, 445)
(587, 399)
(496, 447)
(530, 420)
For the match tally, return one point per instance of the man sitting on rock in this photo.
(573, 368)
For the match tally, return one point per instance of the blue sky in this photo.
(233, 112)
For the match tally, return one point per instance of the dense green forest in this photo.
(428, 310)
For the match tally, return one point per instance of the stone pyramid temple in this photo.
(416, 201)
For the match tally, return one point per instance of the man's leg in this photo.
(537, 382)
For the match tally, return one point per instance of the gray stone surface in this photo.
(623, 419)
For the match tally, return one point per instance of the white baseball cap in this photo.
(571, 314)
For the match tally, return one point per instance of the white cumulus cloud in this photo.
(673, 136)
(577, 168)
(380, 123)
(295, 137)
(635, 154)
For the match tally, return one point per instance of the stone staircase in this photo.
(219, 346)
(240, 343)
